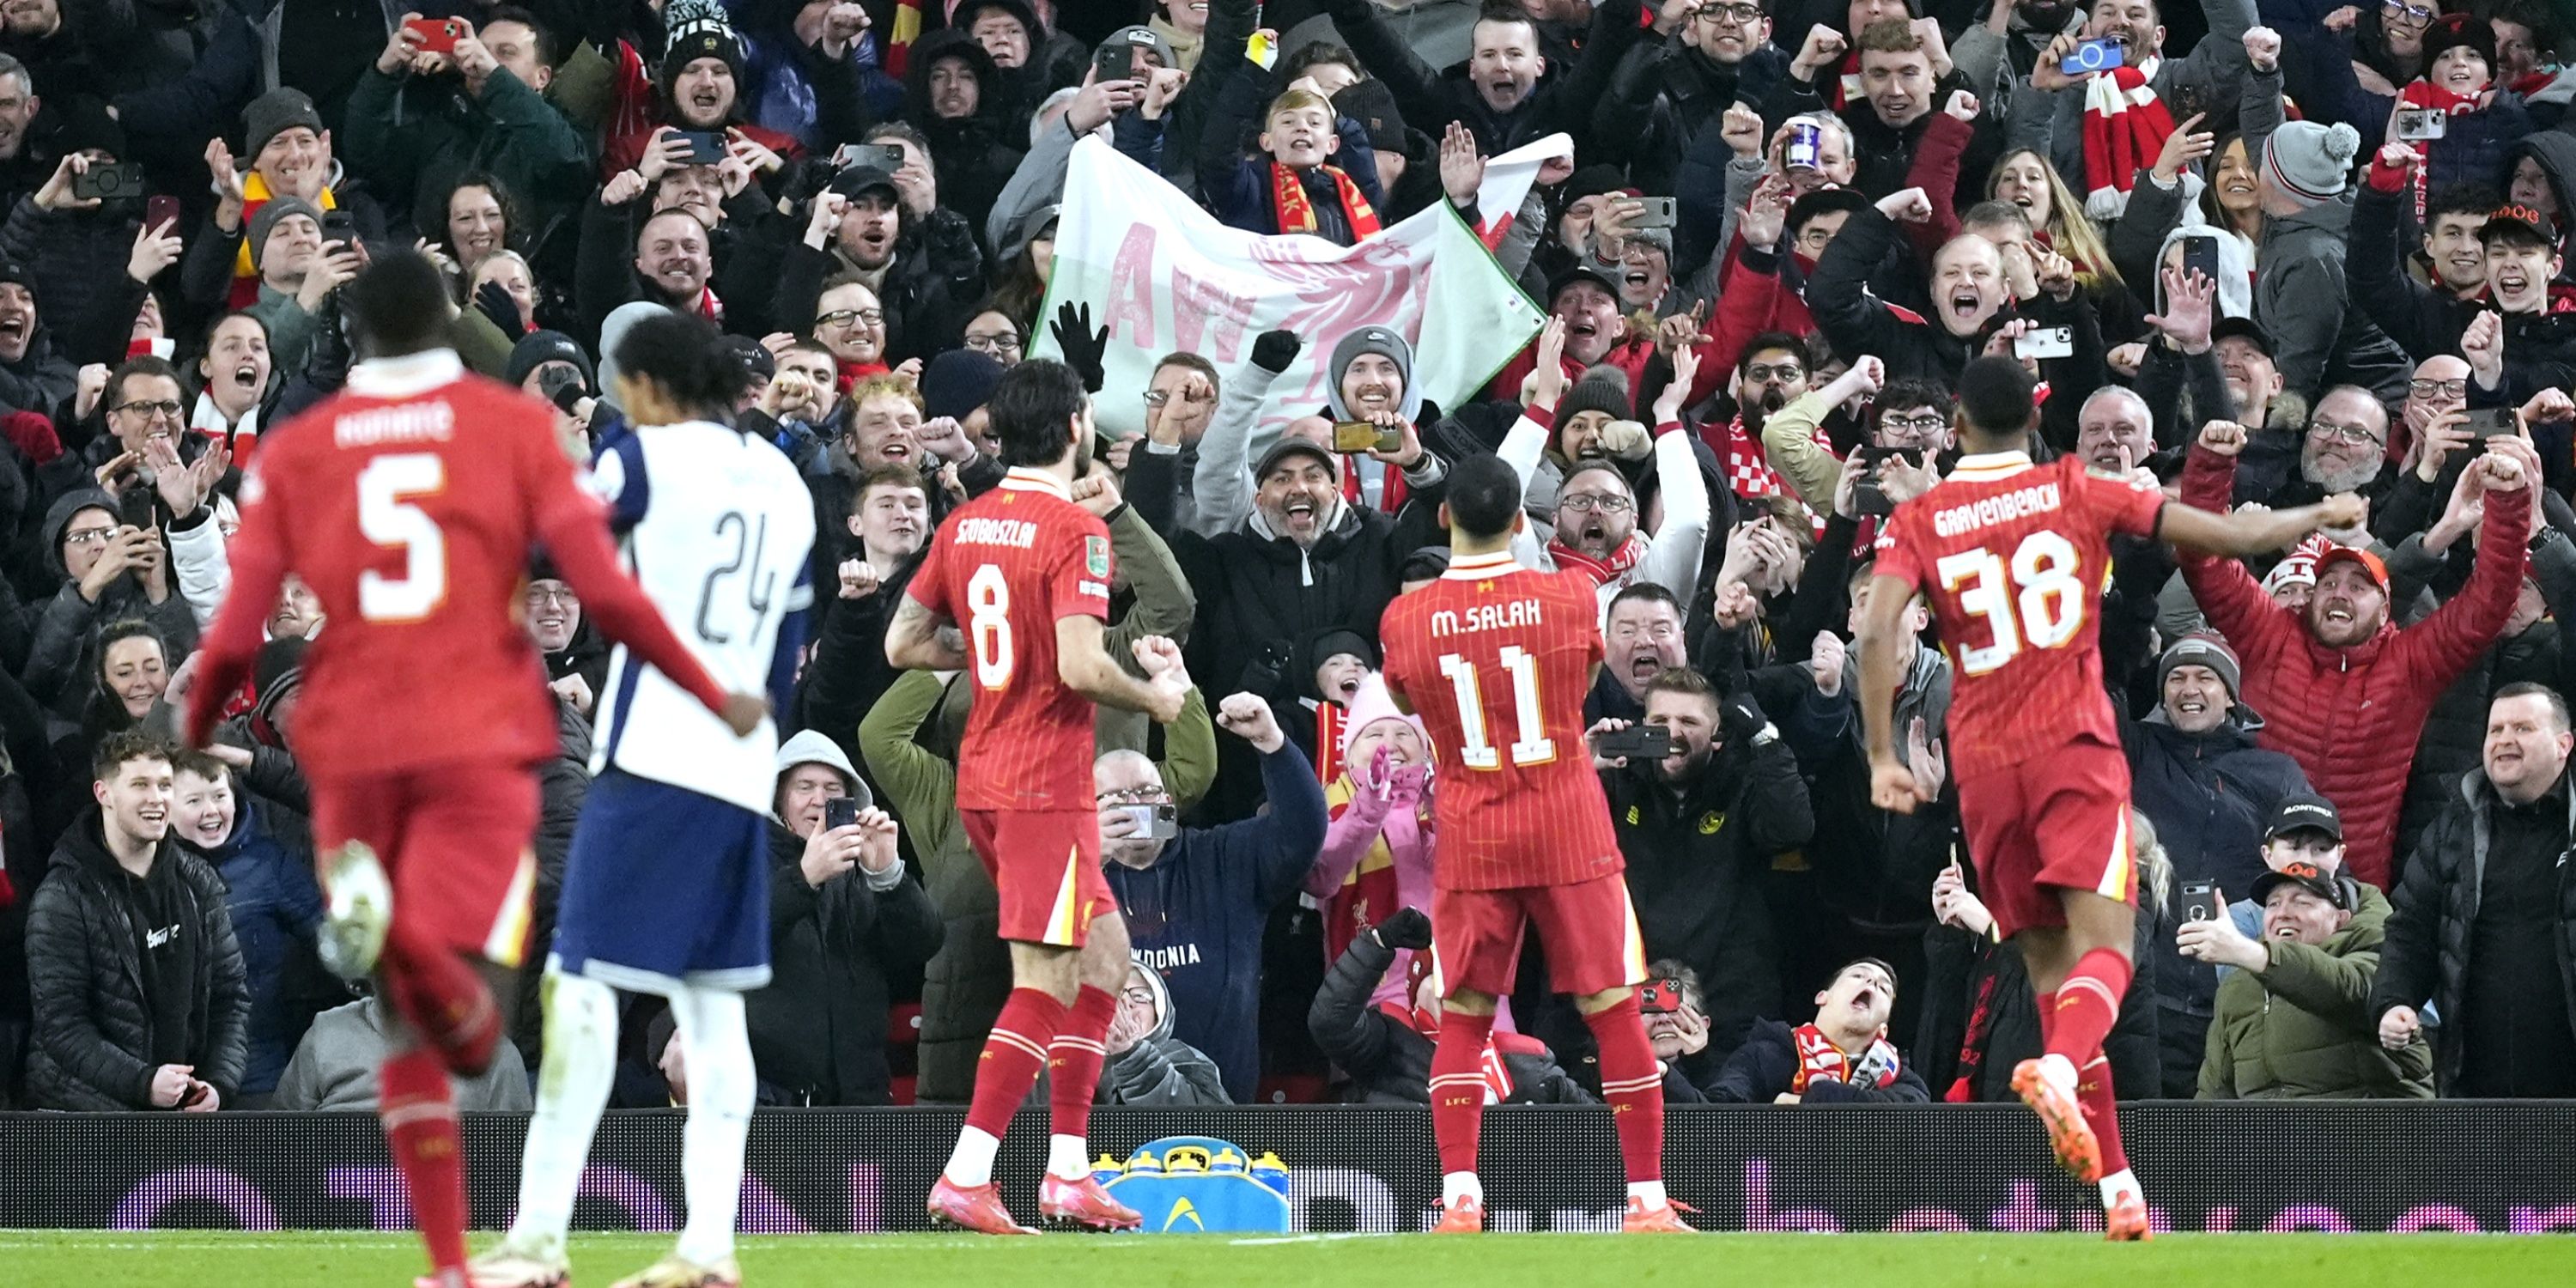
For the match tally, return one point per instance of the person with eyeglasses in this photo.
(2439, 387)
(1719, 53)
(110, 572)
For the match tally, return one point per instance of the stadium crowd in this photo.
(2333, 233)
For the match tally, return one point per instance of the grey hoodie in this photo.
(1161, 1069)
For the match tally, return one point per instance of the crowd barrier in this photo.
(2322, 1166)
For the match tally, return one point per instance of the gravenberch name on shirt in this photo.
(1017, 533)
(1484, 617)
(433, 422)
(1987, 511)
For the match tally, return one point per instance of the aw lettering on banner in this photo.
(1163, 275)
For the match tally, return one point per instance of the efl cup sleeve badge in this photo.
(1095, 555)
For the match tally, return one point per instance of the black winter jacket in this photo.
(2426, 955)
(975, 155)
(1563, 100)
(818, 1031)
(1696, 866)
(1389, 1061)
(1679, 93)
(94, 1040)
(1973, 985)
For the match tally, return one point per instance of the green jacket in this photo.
(2302, 1028)
(419, 134)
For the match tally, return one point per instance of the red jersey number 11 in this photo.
(2046, 611)
(1533, 747)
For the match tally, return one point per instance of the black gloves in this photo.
(1405, 928)
(1085, 350)
(1274, 350)
(495, 303)
(1740, 718)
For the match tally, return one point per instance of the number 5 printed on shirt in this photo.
(1533, 747)
(388, 518)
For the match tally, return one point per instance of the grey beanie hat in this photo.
(2202, 649)
(1387, 343)
(265, 221)
(612, 329)
(2310, 161)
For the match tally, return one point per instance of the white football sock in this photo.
(1460, 1185)
(1649, 1193)
(572, 1088)
(1068, 1157)
(716, 1043)
(2118, 1183)
(971, 1163)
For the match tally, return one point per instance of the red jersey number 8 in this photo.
(988, 625)
(2045, 610)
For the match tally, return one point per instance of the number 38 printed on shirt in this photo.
(2035, 600)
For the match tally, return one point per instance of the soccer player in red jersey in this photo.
(2013, 558)
(411, 504)
(1497, 659)
(1025, 573)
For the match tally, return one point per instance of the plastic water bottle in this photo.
(1144, 1163)
(1268, 1170)
(1227, 1162)
(1105, 1169)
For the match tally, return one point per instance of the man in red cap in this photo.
(2343, 690)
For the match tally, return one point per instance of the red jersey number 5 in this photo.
(388, 518)
(2040, 602)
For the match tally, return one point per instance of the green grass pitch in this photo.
(191, 1259)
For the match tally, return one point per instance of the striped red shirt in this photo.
(1496, 659)
(2013, 558)
(1005, 567)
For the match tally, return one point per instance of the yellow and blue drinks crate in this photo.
(1194, 1184)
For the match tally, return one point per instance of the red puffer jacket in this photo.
(2351, 716)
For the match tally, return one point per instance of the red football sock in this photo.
(1458, 1088)
(420, 1127)
(1634, 1086)
(1013, 1057)
(2102, 1110)
(2088, 1003)
(1074, 1059)
(445, 1000)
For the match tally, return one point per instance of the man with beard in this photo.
(1699, 829)
(1720, 54)
(2207, 79)
(1597, 527)
(2196, 773)
(920, 261)
(699, 89)
(2344, 690)
(890, 519)
(955, 97)
(674, 263)
(1498, 92)
(1200, 898)
(1771, 373)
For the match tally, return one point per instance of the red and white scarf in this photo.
(2125, 126)
(1297, 212)
(1748, 467)
(1603, 572)
(1489, 1062)
(1818, 1057)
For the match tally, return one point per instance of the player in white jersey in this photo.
(666, 887)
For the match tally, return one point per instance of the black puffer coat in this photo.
(94, 1040)
(1389, 1061)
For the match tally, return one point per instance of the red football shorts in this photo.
(455, 844)
(2058, 821)
(1046, 864)
(1589, 929)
